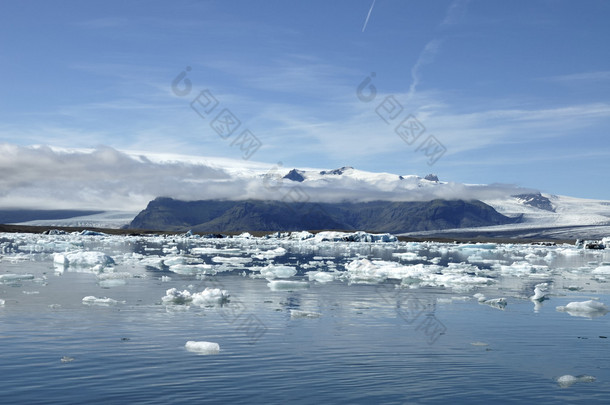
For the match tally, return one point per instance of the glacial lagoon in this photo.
(295, 318)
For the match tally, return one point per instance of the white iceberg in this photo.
(207, 297)
(11, 278)
(278, 271)
(210, 296)
(320, 276)
(540, 292)
(567, 380)
(82, 259)
(287, 285)
(203, 348)
(588, 309)
(91, 300)
(295, 313)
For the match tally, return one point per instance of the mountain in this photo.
(375, 216)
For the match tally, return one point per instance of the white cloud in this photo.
(104, 178)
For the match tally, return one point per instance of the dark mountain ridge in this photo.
(255, 215)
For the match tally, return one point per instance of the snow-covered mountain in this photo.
(118, 181)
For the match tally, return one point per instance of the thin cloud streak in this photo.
(368, 16)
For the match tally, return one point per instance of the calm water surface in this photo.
(356, 343)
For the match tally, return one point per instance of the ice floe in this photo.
(12, 278)
(207, 297)
(588, 309)
(203, 348)
(498, 303)
(540, 292)
(277, 271)
(295, 313)
(567, 380)
(82, 259)
(320, 276)
(287, 285)
(92, 300)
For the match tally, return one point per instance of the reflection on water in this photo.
(357, 323)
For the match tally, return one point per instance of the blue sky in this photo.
(515, 91)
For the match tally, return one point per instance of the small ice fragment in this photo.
(540, 291)
(165, 279)
(286, 285)
(320, 276)
(173, 296)
(480, 297)
(278, 271)
(83, 259)
(91, 300)
(203, 348)
(567, 380)
(2, 302)
(588, 309)
(479, 344)
(9, 278)
(499, 303)
(295, 313)
(210, 296)
(67, 359)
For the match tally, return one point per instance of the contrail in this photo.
(368, 16)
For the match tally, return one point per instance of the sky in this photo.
(480, 91)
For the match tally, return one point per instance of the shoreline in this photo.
(8, 228)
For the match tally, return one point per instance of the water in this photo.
(371, 343)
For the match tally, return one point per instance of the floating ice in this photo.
(82, 259)
(499, 303)
(287, 285)
(588, 309)
(605, 270)
(270, 254)
(295, 313)
(353, 237)
(277, 271)
(11, 278)
(210, 296)
(66, 359)
(207, 297)
(2, 302)
(203, 348)
(457, 275)
(91, 300)
(540, 291)
(320, 276)
(567, 380)
(173, 296)
(234, 261)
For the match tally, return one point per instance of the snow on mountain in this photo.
(112, 180)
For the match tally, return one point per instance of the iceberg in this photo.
(588, 309)
(295, 313)
(203, 348)
(11, 278)
(278, 271)
(91, 300)
(567, 380)
(82, 259)
(540, 291)
(287, 285)
(208, 297)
